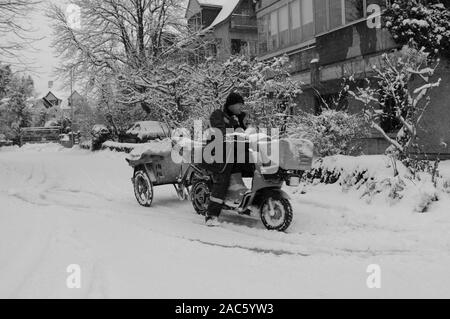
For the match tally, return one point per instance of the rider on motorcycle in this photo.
(231, 117)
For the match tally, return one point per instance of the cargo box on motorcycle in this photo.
(296, 154)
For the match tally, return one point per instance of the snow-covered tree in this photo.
(14, 107)
(389, 94)
(14, 33)
(426, 23)
(181, 93)
(267, 85)
(271, 92)
(121, 39)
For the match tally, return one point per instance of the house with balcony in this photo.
(329, 39)
(230, 25)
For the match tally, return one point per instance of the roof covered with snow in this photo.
(228, 6)
(212, 3)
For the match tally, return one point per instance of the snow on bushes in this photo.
(373, 178)
(332, 132)
(426, 23)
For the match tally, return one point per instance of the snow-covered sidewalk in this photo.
(62, 207)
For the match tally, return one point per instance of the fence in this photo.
(35, 135)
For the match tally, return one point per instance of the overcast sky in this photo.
(40, 58)
(43, 57)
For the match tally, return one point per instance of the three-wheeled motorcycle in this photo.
(194, 181)
(265, 197)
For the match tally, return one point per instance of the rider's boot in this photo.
(212, 221)
(214, 210)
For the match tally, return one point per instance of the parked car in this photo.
(142, 132)
(4, 141)
(100, 134)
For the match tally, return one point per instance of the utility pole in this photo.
(72, 107)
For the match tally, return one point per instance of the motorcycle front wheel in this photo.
(276, 213)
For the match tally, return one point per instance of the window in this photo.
(253, 48)
(263, 29)
(296, 23)
(381, 3)
(307, 19)
(273, 31)
(335, 13)
(284, 26)
(212, 49)
(237, 46)
(320, 15)
(300, 20)
(295, 15)
(354, 10)
(195, 23)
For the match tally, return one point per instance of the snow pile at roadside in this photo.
(374, 180)
(45, 147)
(9, 148)
(444, 169)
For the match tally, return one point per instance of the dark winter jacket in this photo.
(223, 120)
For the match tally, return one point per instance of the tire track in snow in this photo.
(257, 250)
(26, 260)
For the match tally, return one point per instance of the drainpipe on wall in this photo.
(315, 80)
(315, 73)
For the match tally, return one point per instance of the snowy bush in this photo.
(425, 23)
(373, 179)
(332, 132)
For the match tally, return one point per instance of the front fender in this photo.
(262, 194)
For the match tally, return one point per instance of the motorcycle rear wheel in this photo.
(276, 213)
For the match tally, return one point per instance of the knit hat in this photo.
(232, 99)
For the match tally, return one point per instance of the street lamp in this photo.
(72, 106)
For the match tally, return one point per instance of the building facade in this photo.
(328, 39)
(230, 25)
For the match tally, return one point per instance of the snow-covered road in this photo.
(64, 207)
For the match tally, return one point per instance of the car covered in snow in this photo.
(145, 131)
(52, 123)
(100, 134)
(4, 141)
